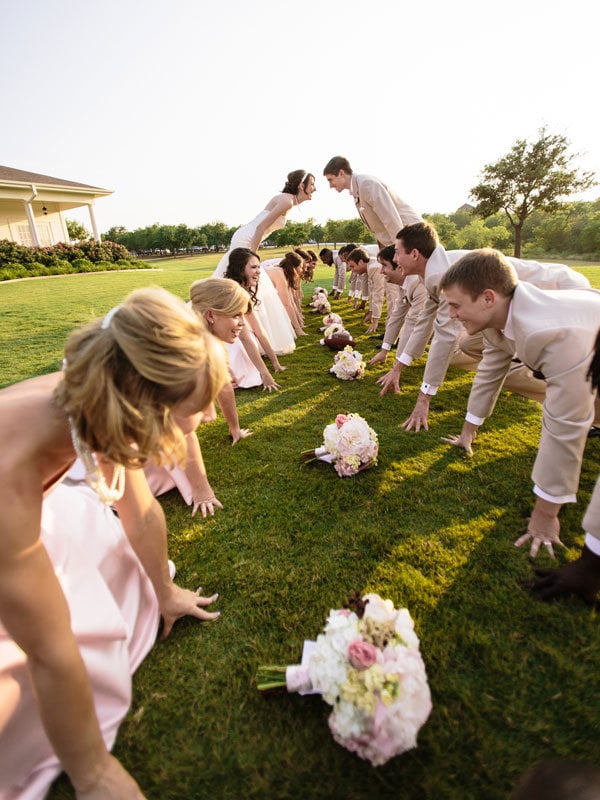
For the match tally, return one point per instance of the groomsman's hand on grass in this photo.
(466, 438)
(580, 577)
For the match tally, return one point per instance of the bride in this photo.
(299, 187)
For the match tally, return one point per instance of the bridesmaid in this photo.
(221, 303)
(286, 275)
(81, 589)
(244, 269)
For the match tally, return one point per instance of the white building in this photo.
(32, 206)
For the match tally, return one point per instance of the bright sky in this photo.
(195, 110)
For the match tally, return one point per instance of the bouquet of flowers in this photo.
(348, 443)
(366, 664)
(330, 330)
(319, 302)
(348, 364)
(331, 319)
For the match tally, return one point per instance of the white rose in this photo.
(378, 609)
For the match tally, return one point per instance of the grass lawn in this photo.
(511, 679)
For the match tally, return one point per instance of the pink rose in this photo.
(341, 419)
(361, 654)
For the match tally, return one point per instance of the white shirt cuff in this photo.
(592, 544)
(427, 388)
(565, 498)
(386, 346)
(473, 419)
(405, 359)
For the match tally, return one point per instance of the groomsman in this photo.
(380, 208)
(410, 302)
(581, 576)
(331, 258)
(554, 332)
(364, 264)
(418, 252)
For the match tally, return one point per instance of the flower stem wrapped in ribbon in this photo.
(348, 443)
(366, 664)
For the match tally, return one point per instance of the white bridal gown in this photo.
(114, 617)
(270, 310)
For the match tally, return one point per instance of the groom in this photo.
(379, 207)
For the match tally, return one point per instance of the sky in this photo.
(194, 111)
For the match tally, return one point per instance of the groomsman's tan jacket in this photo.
(406, 312)
(380, 208)
(553, 332)
(435, 317)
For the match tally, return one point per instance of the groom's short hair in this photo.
(335, 164)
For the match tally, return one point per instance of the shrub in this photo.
(82, 265)
(12, 270)
(35, 268)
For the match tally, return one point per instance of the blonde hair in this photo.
(123, 377)
(221, 295)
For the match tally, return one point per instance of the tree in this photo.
(76, 230)
(532, 176)
(114, 234)
(355, 230)
(293, 233)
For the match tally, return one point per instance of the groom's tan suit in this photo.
(554, 333)
(381, 209)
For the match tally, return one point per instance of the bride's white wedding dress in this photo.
(270, 310)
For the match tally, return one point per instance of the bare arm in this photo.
(145, 526)
(226, 401)
(247, 340)
(264, 340)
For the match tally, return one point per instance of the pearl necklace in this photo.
(93, 474)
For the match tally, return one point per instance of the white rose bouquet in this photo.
(348, 365)
(331, 319)
(366, 664)
(319, 303)
(348, 443)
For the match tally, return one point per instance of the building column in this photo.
(93, 221)
(31, 220)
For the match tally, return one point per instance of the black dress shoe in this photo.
(593, 432)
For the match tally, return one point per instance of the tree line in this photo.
(573, 229)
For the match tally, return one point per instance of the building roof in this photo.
(11, 175)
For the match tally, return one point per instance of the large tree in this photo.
(532, 176)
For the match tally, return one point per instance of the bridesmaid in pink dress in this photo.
(222, 304)
(81, 590)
